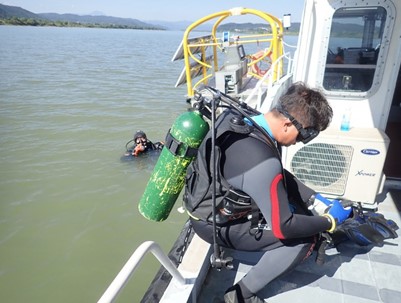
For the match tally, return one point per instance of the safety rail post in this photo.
(125, 273)
(268, 77)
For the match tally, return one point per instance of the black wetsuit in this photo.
(254, 167)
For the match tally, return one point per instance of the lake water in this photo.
(70, 98)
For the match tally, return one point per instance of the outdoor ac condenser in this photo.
(347, 165)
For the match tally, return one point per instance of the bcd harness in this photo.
(232, 205)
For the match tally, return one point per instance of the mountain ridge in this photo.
(14, 12)
(95, 19)
(9, 12)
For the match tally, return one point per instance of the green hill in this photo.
(8, 12)
(87, 19)
(14, 15)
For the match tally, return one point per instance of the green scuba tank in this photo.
(168, 177)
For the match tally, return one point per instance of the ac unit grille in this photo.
(323, 167)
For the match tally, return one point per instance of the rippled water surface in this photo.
(70, 99)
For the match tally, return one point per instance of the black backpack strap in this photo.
(174, 146)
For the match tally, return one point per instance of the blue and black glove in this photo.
(319, 204)
(337, 214)
(369, 228)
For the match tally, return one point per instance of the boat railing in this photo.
(191, 48)
(132, 264)
(267, 78)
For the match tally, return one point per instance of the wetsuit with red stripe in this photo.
(289, 231)
(253, 166)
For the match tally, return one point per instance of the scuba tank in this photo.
(168, 177)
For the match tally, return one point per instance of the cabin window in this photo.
(354, 45)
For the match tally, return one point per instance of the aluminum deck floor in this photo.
(351, 273)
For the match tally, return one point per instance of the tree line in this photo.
(43, 22)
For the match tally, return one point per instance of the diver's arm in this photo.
(258, 172)
(297, 190)
(273, 202)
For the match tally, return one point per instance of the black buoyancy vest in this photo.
(198, 183)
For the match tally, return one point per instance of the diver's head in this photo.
(306, 109)
(140, 137)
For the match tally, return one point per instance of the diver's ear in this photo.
(286, 123)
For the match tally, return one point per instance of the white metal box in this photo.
(342, 164)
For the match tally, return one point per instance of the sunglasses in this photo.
(305, 135)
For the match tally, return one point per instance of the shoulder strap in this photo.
(173, 145)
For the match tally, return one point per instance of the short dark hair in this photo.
(309, 106)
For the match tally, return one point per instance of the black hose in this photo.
(216, 248)
(321, 253)
(126, 145)
(232, 102)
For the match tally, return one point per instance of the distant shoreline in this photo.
(41, 22)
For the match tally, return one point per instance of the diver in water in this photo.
(142, 145)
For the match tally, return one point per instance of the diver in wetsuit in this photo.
(251, 164)
(142, 145)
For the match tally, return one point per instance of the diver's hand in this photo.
(320, 205)
(338, 212)
(138, 149)
(321, 199)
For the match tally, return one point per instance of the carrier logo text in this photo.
(370, 151)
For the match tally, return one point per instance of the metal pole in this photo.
(125, 273)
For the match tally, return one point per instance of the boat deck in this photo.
(351, 273)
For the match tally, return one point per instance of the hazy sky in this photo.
(167, 10)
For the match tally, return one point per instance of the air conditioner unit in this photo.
(347, 165)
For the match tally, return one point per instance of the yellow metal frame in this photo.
(275, 48)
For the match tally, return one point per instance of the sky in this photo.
(165, 10)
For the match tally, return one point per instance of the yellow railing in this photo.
(274, 51)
